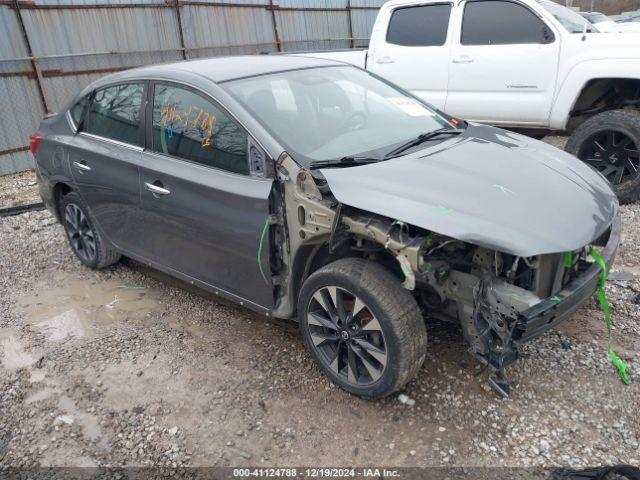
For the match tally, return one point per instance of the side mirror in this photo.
(258, 162)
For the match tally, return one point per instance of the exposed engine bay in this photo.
(485, 290)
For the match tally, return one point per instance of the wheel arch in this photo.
(60, 189)
(311, 258)
(602, 94)
(583, 86)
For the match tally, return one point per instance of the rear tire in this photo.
(377, 351)
(84, 238)
(610, 142)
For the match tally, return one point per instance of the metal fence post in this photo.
(351, 40)
(180, 32)
(276, 35)
(34, 61)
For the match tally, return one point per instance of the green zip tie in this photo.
(621, 367)
(262, 235)
(504, 189)
(568, 259)
(441, 210)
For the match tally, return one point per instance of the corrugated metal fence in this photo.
(50, 49)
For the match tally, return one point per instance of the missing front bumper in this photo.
(540, 318)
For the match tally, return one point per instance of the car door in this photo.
(104, 156)
(504, 62)
(204, 213)
(413, 51)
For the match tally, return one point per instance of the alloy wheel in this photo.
(613, 154)
(80, 233)
(346, 335)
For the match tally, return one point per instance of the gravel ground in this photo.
(18, 189)
(127, 367)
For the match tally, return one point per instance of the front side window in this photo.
(187, 125)
(329, 113)
(422, 26)
(115, 113)
(496, 22)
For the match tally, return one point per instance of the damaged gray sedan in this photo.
(310, 189)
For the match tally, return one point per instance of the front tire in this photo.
(361, 327)
(609, 142)
(84, 238)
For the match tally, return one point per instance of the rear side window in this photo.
(79, 109)
(187, 125)
(422, 26)
(115, 113)
(502, 23)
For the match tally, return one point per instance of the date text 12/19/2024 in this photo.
(316, 472)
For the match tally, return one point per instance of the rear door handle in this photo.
(385, 60)
(156, 189)
(82, 166)
(462, 60)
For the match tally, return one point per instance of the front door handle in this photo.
(156, 189)
(462, 60)
(82, 166)
(385, 60)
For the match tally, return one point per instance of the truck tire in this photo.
(373, 352)
(87, 243)
(610, 142)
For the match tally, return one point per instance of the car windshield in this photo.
(573, 22)
(597, 17)
(329, 113)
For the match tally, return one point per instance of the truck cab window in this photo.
(496, 22)
(422, 26)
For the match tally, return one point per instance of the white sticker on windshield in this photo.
(411, 107)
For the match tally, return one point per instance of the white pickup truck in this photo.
(529, 65)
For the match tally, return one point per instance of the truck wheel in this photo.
(85, 240)
(609, 142)
(361, 327)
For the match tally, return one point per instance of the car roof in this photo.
(222, 69)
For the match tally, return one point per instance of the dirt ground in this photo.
(127, 367)
(18, 189)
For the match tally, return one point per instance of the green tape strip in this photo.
(621, 367)
(263, 234)
(568, 259)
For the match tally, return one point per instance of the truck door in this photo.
(504, 61)
(410, 48)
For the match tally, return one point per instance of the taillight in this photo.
(34, 143)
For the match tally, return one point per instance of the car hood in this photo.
(630, 27)
(489, 187)
(607, 45)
